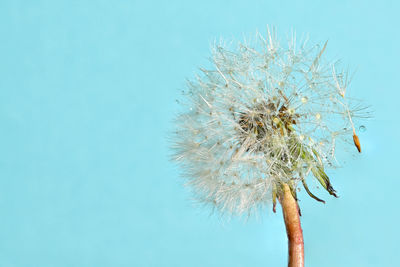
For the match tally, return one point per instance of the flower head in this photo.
(260, 117)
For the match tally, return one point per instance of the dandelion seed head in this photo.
(264, 114)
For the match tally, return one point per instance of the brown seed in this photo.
(357, 142)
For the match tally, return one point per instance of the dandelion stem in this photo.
(291, 215)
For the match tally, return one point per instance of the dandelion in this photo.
(261, 122)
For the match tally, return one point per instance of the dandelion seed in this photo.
(357, 142)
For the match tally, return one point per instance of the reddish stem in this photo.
(291, 215)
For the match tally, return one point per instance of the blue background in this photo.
(87, 96)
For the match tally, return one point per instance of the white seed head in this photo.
(247, 125)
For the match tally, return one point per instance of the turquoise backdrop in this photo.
(87, 96)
